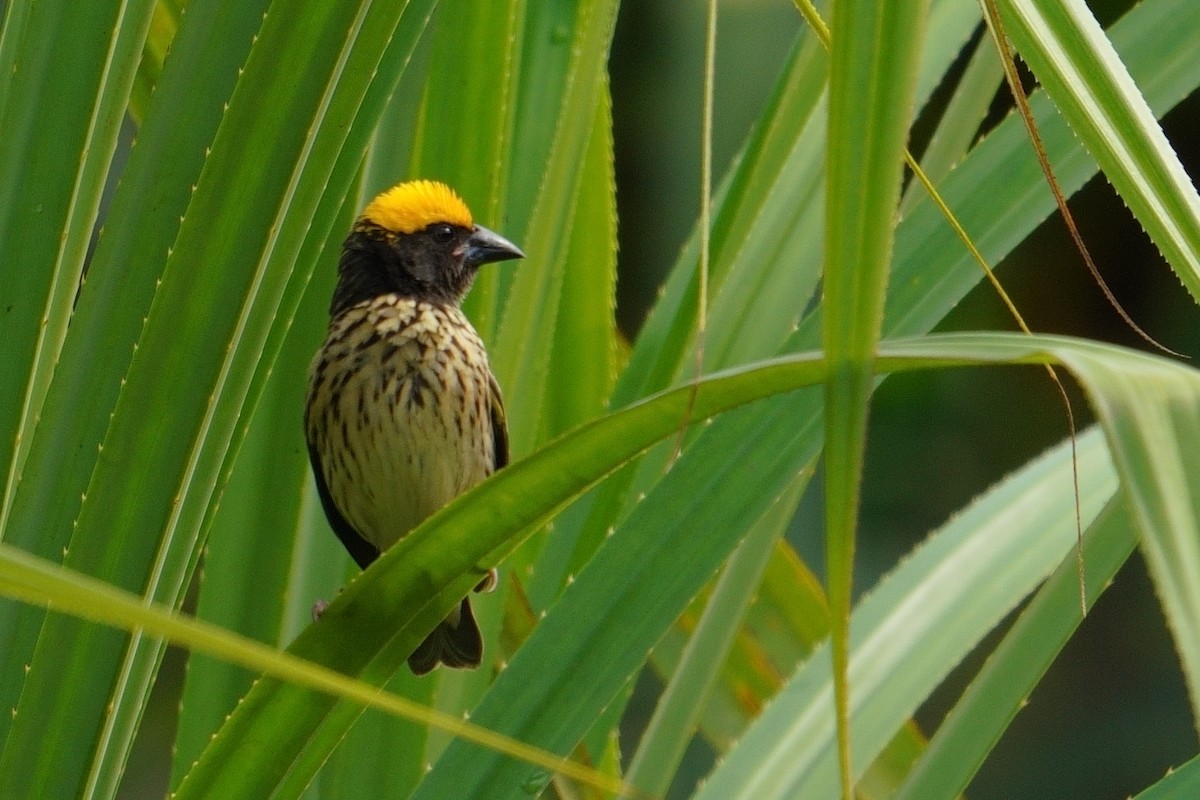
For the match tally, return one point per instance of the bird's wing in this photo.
(362, 551)
(499, 425)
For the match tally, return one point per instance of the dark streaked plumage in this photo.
(403, 413)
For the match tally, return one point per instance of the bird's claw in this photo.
(318, 609)
(488, 583)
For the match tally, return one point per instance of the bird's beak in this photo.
(484, 247)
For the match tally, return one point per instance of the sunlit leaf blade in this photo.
(251, 559)
(381, 756)
(757, 214)
(35, 580)
(1082, 72)
(53, 165)
(766, 262)
(775, 184)
(685, 697)
(1004, 683)
(1180, 784)
(960, 583)
(872, 80)
(1152, 416)
(787, 620)
(143, 221)
(585, 335)
(163, 25)
(949, 28)
(521, 354)
(467, 104)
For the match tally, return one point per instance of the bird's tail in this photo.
(455, 642)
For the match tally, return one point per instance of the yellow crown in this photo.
(414, 205)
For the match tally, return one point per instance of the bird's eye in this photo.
(442, 233)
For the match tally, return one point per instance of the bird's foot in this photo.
(488, 584)
(318, 609)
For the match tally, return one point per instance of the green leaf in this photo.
(786, 622)
(872, 81)
(38, 581)
(381, 756)
(1179, 784)
(763, 214)
(765, 269)
(958, 128)
(1082, 72)
(1151, 415)
(52, 172)
(767, 212)
(585, 334)
(1004, 683)
(958, 584)
(252, 558)
(163, 25)
(523, 347)
(685, 697)
(141, 226)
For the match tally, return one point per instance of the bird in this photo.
(402, 412)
